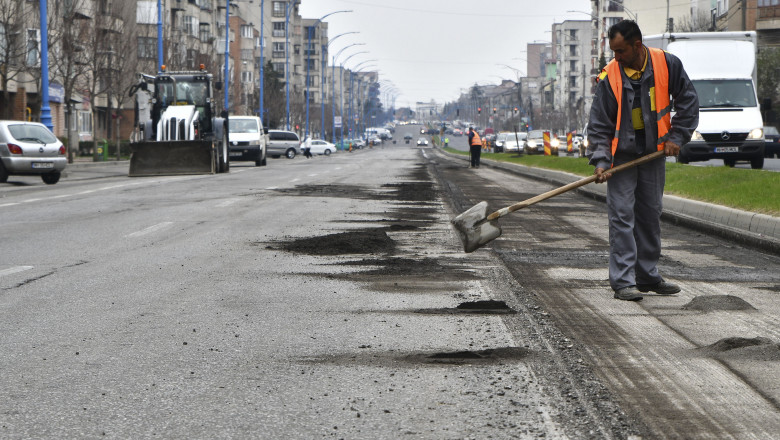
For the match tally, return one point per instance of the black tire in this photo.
(51, 178)
(729, 162)
(3, 174)
(327, 152)
(757, 163)
(290, 154)
(223, 156)
(683, 159)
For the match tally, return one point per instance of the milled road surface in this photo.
(330, 298)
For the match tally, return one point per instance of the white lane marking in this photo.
(149, 230)
(16, 269)
(227, 203)
(10, 204)
(272, 187)
(313, 175)
(295, 180)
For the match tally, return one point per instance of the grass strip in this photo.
(748, 190)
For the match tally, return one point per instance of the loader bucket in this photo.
(171, 158)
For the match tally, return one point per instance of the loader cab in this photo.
(184, 89)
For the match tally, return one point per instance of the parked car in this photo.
(772, 146)
(535, 143)
(283, 143)
(29, 148)
(319, 146)
(247, 139)
(374, 140)
(422, 142)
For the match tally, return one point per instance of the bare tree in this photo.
(69, 55)
(701, 22)
(12, 48)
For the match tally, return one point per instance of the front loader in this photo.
(176, 128)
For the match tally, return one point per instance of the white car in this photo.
(422, 142)
(319, 146)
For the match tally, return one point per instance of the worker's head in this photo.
(625, 40)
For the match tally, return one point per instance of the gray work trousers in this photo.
(634, 205)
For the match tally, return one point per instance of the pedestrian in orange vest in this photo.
(475, 147)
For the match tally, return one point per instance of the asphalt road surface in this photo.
(330, 298)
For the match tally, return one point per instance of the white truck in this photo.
(722, 67)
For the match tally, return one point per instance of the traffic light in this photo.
(514, 110)
(494, 110)
(479, 110)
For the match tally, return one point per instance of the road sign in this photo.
(337, 121)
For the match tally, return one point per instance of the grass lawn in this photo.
(749, 190)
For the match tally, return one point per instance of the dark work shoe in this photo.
(628, 294)
(661, 288)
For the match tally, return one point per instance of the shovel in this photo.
(476, 228)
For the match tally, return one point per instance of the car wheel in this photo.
(3, 174)
(290, 153)
(327, 152)
(51, 178)
(757, 163)
(682, 159)
(729, 162)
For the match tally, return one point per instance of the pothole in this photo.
(708, 303)
(468, 356)
(473, 307)
(370, 241)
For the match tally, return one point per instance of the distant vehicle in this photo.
(374, 140)
(457, 132)
(730, 122)
(407, 137)
(319, 146)
(535, 143)
(29, 148)
(422, 142)
(283, 143)
(772, 146)
(247, 139)
(510, 143)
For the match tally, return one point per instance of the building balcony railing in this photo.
(277, 54)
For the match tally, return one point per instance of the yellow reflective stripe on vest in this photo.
(476, 140)
(662, 103)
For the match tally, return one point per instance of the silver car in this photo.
(29, 148)
(283, 143)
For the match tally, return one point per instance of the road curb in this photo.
(750, 228)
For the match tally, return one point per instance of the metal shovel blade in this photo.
(474, 229)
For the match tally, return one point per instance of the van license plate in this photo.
(43, 165)
(235, 153)
(727, 149)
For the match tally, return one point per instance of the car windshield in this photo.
(31, 133)
(243, 126)
(725, 93)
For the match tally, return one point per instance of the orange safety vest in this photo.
(662, 105)
(476, 140)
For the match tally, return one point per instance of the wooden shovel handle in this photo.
(552, 193)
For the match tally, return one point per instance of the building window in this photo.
(85, 122)
(246, 54)
(278, 67)
(146, 47)
(3, 43)
(572, 97)
(190, 25)
(205, 32)
(192, 58)
(572, 81)
(573, 50)
(278, 29)
(247, 76)
(278, 10)
(246, 31)
(572, 66)
(33, 47)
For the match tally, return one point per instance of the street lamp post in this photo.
(322, 85)
(45, 109)
(341, 90)
(308, 51)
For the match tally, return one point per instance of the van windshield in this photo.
(243, 126)
(725, 93)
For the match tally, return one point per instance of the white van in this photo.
(248, 140)
(722, 68)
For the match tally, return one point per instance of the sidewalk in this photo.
(753, 229)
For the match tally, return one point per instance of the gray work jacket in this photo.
(603, 114)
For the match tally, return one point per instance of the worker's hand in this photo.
(601, 175)
(671, 149)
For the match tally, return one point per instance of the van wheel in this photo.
(757, 163)
(290, 153)
(729, 162)
(3, 174)
(51, 178)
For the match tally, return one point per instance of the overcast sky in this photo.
(431, 49)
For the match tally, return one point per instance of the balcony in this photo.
(277, 54)
(768, 12)
(110, 24)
